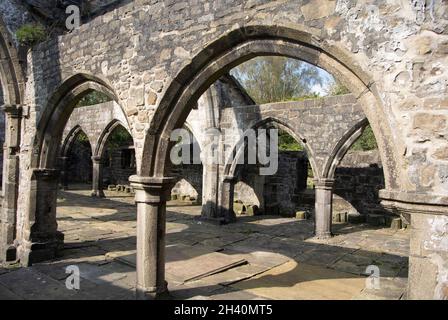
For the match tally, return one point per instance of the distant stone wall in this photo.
(359, 176)
(276, 194)
(79, 166)
(118, 171)
(189, 181)
(94, 119)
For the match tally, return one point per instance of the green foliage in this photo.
(276, 79)
(31, 34)
(287, 143)
(120, 137)
(366, 141)
(83, 139)
(338, 89)
(92, 98)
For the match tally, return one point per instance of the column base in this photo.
(98, 193)
(323, 236)
(152, 293)
(41, 248)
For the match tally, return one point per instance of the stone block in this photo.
(301, 215)
(356, 218)
(252, 210)
(376, 220)
(238, 208)
(395, 223)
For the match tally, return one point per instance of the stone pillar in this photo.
(150, 196)
(226, 199)
(10, 185)
(210, 164)
(323, 207)
(97, 177)
(210, 185)
(41, 239)
(428, 254)
(64, 178)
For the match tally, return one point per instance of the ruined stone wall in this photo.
(359, 177)
(115, 172)
(189, 181)
(397, 49)
(94, 120)
(79, 164)
(320, 123)
(278, 193)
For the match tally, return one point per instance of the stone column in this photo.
(210, 177)
(428, 256)
(210, 165)
(64, 178)
(97, 177)
(323, 207)
(150, 196)
(41, 239)
(10, 185)
(226, 199)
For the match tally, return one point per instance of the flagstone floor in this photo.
(265, 257)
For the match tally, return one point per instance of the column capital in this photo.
(324, 183)
(96, 159)
(151, 189)
(13, 110)
(414, 202)
(229, 178)
(46, 174)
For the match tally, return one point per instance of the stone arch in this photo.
(342, 147)
(56, 114)
(71, 137)
(195, 134)
(11, 74)
(231, 162)
(12, 81)
(40, 225)
(104, 136)
(245, 43)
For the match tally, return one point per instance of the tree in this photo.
(337, 89)
(366, 141)
(287, 143)
(275, 79)
(92, 98)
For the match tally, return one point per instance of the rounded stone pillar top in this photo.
(229, 178)
(151, 189)
(12, 109)
(144, 180)
(324, 183)
(414, 202)
(43, 173)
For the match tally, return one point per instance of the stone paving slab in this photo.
(6, 294)
(298, 281)
(31, 284)
(389, 289)
(283, 259)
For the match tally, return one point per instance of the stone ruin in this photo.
(157, 59)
